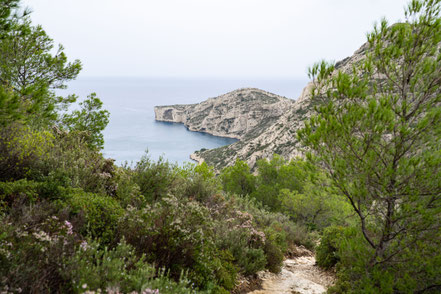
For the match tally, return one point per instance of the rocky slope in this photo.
(264, 123)
(239, 114)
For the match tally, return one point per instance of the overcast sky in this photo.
(209, 38)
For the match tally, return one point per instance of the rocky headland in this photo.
(265, 123)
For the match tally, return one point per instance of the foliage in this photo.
(155, 179)
(93, 268)
(238, 234)
(26, 59)
(378, 135)
(174, 234)
(296, 188)
(10, 108)
(21, 191)
(275, 247)
(6, 15)
(277, 175)
(72, 163)
(238, 179)
(33, 244)
(89, 120)
(20, 148)
(101, 214)
(318, 207)
(196, 182)
(329, 250)
(29, 68)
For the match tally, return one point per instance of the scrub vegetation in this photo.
(366, 198)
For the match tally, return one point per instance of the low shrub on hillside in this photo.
(101, 214)
(329, 251)
(155, 179)
(174, 234)
(120, 270)
(71, 162)
(20, 149)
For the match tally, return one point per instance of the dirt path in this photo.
(298, 276)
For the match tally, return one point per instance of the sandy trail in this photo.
(298, 276)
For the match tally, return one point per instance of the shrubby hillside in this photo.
(73, 222)
(366, 196)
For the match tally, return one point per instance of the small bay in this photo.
(132, 128)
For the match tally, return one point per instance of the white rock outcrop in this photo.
(235, 114)
(265, 123)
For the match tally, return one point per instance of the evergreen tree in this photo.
(378, 134)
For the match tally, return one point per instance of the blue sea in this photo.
(132, 129)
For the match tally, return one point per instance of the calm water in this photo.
(133, 129)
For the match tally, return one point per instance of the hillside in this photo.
(240, 114)
(264, 123)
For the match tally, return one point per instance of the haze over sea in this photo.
(132, 128)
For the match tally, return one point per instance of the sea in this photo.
(133, 132)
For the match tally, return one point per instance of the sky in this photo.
(209, 38)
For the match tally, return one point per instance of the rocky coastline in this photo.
(264, 123)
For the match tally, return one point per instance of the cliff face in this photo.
(238, 114)
(279, 138)
(264, 123)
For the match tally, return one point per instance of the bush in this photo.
(197, 182)
(19, 192)
(50, 258)
(155, 179)
(120, 270)
(356, 274)
(238, 179)
(101, 214)
(239, 235)
(328, 252)
(72, 163)
(20, 149)
(296, 234)
(174, 234)
(275, 247)
(128, 192)
(32, 252)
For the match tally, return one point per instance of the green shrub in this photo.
(332, 241)
(48, 257)
(238, 179)
(32, 252)
(226, 271)
(275, 247)
(274, 257)
(239, 235)
(358, 273)
(296, 234)
(174, 234)
(20, 150)
(18, 192)
(101, 214)
(128, 192)
(197, 182)
(72, 163)
(253, 260)
(155, 179)
(120, 270)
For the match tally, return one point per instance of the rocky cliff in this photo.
(264, 123)
(238, 114)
